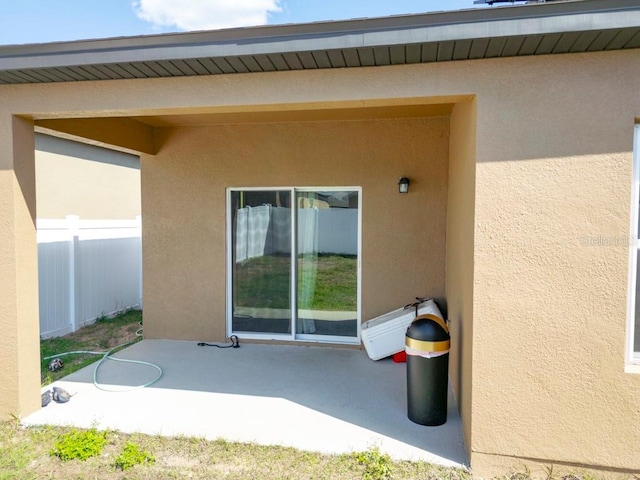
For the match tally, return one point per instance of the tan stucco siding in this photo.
(403, 236)
(550, 351)
(84, 180)
(553, 171)
(459, 256)
(19, 348)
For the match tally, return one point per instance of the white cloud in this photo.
(205, 14)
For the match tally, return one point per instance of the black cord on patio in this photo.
(235, 343)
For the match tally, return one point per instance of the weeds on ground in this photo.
(131, 456)
(377, 465)
(79, 444)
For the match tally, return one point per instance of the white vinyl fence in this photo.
(87, 269)
(265, 230)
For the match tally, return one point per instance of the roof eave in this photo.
(461, 26)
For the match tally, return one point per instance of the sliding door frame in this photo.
(293, 337)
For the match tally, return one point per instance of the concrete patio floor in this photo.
(321, 399)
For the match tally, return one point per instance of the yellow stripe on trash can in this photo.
(424, 346)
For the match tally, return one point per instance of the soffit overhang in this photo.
(519, 30)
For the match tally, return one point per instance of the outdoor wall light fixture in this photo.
(403, 185)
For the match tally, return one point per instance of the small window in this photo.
(633, 328)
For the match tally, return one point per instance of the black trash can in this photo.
(427, 345)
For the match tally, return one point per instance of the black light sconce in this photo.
(403, 185)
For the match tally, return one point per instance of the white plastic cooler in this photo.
(385, 335)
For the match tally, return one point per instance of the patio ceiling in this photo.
(536, 29)
(300, 115)
(135, 134)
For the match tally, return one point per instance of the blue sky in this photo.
(37, 21)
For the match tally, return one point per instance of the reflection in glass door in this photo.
(293, 264)
(261, 261)
(327, 263)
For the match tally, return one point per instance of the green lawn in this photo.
(325, 282)
(34, 453)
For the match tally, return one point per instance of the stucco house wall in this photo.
(553, 168)
(73, 178)
(403, 236)
(459, 254)
(538, 314)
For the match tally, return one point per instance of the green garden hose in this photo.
(107, 356)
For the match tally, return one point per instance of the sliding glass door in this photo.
(261, 263)
(294, 263)
(327, 263)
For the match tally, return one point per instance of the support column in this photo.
(19, 325)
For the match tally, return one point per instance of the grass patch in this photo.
(263, 282)
(103, 335)
(336, 282)
(15, 453)
(25, 453)
(325, 282)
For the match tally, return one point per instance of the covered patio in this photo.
(296, 396)
(516, 126)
